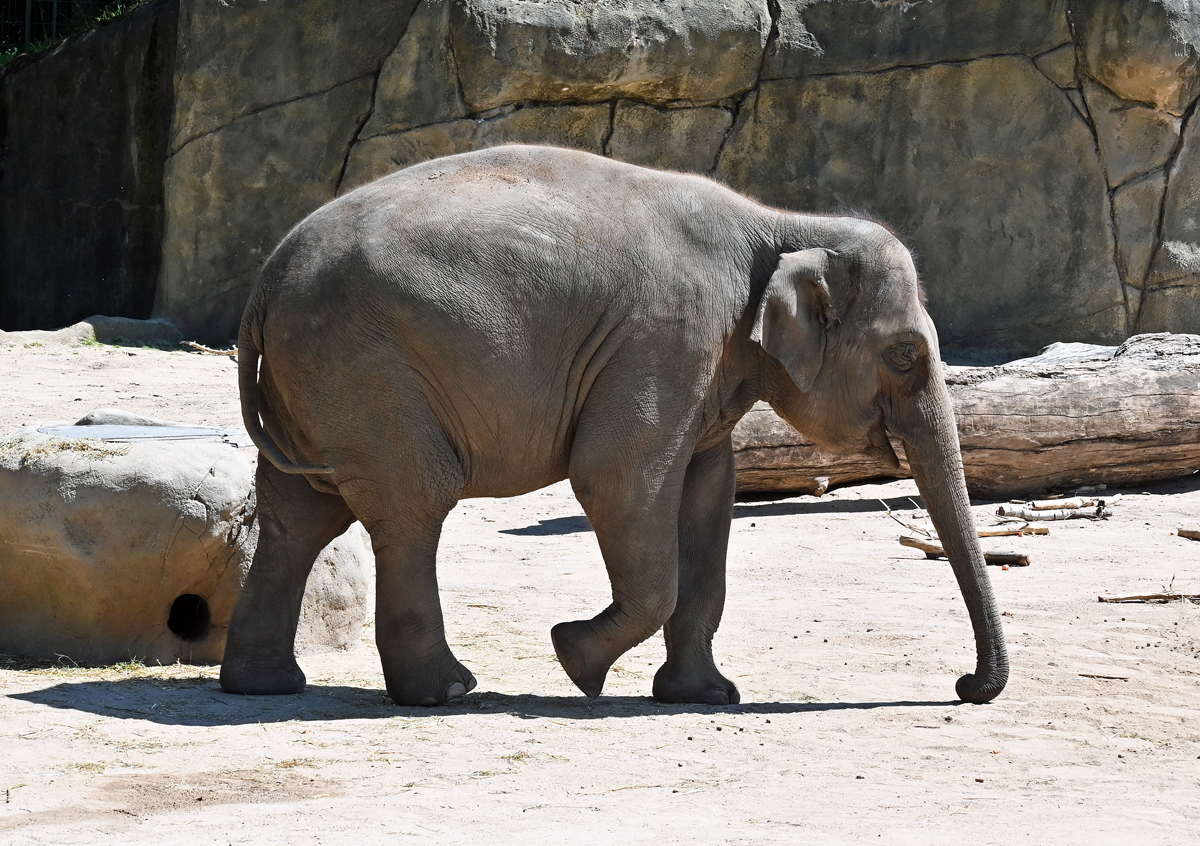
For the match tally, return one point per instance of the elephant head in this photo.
(851, 357)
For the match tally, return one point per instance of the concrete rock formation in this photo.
(1040, 156)
(118, 551)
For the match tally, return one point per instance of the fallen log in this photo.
(1073, 416)
(1191, 534)
(1151, 597)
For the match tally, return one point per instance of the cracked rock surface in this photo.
(1038, 156)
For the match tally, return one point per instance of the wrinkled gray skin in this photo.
(490, 323)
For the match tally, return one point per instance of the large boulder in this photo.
(565, 51)
(116, 551)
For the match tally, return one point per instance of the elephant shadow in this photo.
(748, 505)
(199, 701)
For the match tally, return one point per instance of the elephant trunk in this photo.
(931, 443)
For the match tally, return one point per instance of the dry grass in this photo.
(64, 667)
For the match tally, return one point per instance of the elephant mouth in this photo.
(879, 446)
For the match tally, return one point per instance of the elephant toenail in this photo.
(456, 689)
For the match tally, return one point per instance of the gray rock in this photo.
(1008, 218)
(105, 330)
(232, 194)
(582, 127)
(1134, 139)
(853, 36)
(670, 139)
(512, 51)
(418, 84)
(1142, 50)
(116, 551)
(1137, 207)
(117, 417)
(238, 57)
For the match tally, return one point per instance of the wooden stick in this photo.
(1009, 559)
(1006, 529)
(1193, 534)
(932, 549)
(1098, 676)
(1053, 504)
(210, 350)
(1151, 597)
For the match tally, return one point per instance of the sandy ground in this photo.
(844, 644)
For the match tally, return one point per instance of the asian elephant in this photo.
(490, 323)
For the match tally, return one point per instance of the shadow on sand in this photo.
(748, 507)
(200, 702)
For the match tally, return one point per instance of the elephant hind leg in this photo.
(295, 522)
(690, 674)
(418, 666)
(403, 498)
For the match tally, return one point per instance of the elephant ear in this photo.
(795, 311)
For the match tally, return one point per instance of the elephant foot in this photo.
(261, 678)
(576, 647)
(694, 685)
(435, 687)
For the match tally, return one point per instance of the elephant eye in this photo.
(901, 356)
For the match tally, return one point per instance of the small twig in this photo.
(1012, 528)
(912, 527)
(1098, 676)
(210, 350)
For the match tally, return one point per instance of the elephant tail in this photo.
(249, 351)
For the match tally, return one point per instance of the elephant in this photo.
(489, 323)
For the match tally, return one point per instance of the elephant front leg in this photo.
(690, 674)
(295, 523)
(636, 533)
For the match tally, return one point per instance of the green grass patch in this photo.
(12, 52)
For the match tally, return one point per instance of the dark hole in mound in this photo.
(189, 617)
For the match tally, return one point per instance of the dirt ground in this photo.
(845, 646)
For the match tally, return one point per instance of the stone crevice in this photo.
(902, 67)
(612, 126)
(337, 190)
(362, 122)
(739, 102)
(1050, 50)
(1111, 216)
(267, 108)
(1160, 233)
(734, 112)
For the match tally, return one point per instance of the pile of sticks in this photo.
(927, 541)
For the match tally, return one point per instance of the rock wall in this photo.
(1038, 155)
(83, 134)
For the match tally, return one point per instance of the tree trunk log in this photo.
(1075, 415)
